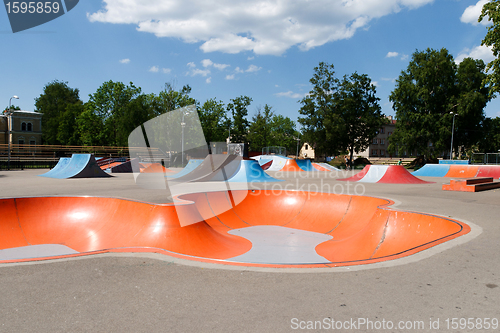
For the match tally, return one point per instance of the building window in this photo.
(23, 127)
(382, 141)
(375, 141)
(20, 141)
(374, 152)
(382, 130)
(389, 133)
(32, 142)
(30, 127)
(382, 152)
(307, 147)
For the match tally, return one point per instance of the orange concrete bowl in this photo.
(244, 228)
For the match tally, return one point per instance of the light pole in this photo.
(183, 124)
(452, 131)
(9, 128)
(297, 154)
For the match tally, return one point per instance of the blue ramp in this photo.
(192, 164)
(63, 162)
(80, 166)
(251, 172)
(305, 165)
(432, 170)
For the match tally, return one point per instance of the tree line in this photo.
(116, 109)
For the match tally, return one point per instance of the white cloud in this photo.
(253, 68)
(230, 77)
(261, 26)
(125, 61)
(392, 54)
(154, 69)
(479, 52)
(208, 80)
(471, 13)
(208, 63)
(290, 94)
(166, 70)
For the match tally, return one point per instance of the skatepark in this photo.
(111, 271)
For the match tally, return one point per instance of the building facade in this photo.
(26, 128)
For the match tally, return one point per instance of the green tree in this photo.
(341, 115)
(170, 99)
(470, 103)
(12, 107)
(214, 121)
(491, 11)
(283, 133)
(53, 103)
(239, 111)
(110, 104)
(317, 108)
(490, 141)
(259, 132)
(67, 132)
(428, 93)
(357, 114)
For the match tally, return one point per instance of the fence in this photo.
(485, 158)
(47, 156)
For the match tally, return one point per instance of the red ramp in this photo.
(385, 174)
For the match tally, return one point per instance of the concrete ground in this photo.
(450, 288)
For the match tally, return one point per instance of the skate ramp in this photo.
(250, 171)
(79, 166)
(458, 171)
(432, 170)
(192, 164)
(154, 168)
(278, 163)
(306, 165)
(291, 166)
(61, 164)
(211, 167)
(303, 229)
(388, 174)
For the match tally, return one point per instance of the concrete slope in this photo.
(306, 165)
(154, 168)
(61, 164)
(432, 170)
(80, 166)
(192, 164)
(278, 163)
(309, 229)
(291, 165)
(388, 174)
(458, 171)
(489, 171)
(250, 171)
(225, 171)
(211, 164)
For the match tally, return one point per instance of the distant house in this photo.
(306, 151)
(26, 128)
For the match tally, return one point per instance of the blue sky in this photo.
(223, 49)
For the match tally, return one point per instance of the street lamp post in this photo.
(297, 154)
(9, 129)
(183, 124)
(452, 131)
